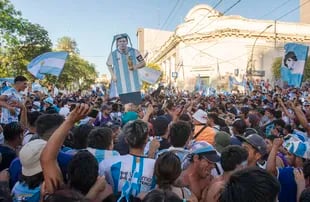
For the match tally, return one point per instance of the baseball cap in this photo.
(222, 140)
(204, 149)
(255, 141)
(200, 116)
(30, 157)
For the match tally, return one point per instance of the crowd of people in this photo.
(176, 146)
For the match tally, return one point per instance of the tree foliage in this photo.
(67, 44)
(21, 41)
(77, 72)
(276, 65)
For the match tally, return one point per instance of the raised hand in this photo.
(79, 112)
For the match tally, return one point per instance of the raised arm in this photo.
(52, 174)
(271, 162)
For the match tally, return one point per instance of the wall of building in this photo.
(150, 40)
(304, 12)
(211, 45)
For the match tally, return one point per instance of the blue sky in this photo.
(93, 23)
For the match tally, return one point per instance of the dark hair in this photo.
(20, 78)
(179, 133)
(232, 156)
(65, 195)
(288, 55)
(5, 195)
(12, 131)
(167, 169)
(82, 171)
(305, 195)
(32, 117)
(158, 195)
(136, 133)
(239, 125)
(213, 115)
(80, 136)
(278, 114)
(32, 181)
(100, 138)
(46, 124)
(306, 168)
(251, 184)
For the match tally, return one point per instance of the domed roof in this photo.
(201, 11)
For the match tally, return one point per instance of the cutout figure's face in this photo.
(122, 44)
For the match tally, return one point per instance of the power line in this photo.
(231, 7)
(260, 17)
(274, 9)
(292, 10)
(214, 7)
(170, 14)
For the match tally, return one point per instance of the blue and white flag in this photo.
(47, 63)
(9, 80)
(149, 75)
(198, 86)
(293, 64)
(113, 90)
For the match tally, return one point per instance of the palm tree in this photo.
(67, 44)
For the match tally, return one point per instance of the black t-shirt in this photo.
(8, 155)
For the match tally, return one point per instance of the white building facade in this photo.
(214, 46)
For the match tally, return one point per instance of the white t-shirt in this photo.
(129, 174)
(12, 96)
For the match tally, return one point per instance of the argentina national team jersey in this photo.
(127, 80)
(12, 96)
(101, 154)
(129, 174)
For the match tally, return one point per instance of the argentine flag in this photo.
(149, 75)
(47, 63)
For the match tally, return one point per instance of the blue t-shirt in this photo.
(16, 167)
(288, 192)
(22, 192)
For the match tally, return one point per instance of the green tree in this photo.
(11, 23)
(20, 41)
(276, 65)
(67, 44)
(77, 72)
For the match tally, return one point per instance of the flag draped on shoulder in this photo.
(47, 63)
(293, 64)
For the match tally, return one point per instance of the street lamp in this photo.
(250, 66)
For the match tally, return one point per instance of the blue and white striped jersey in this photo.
(129, 174)
(127, 80)
(101, 154)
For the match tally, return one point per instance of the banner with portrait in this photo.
(293, 64)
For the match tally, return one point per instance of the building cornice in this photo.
(174, 40)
